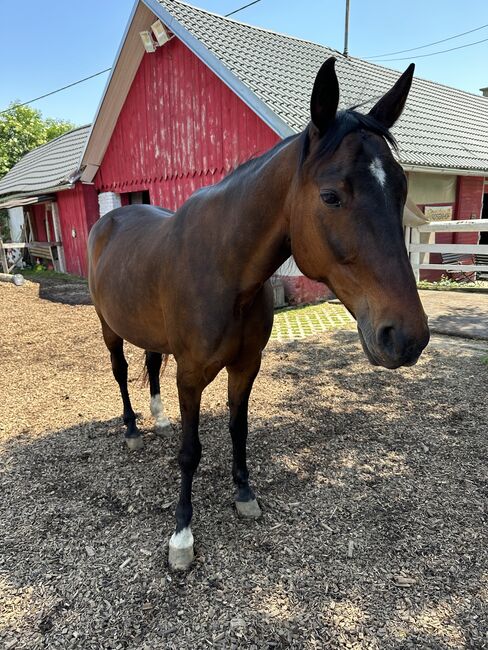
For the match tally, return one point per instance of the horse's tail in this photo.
(145, 372)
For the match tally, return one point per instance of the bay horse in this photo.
(195, 284)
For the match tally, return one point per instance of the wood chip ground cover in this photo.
(373, 485)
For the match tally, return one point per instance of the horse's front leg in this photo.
(241, 379)
(181, 543)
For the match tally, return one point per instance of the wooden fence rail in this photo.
(416, 248)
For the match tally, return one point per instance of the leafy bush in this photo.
(447, 283)
(4, 225)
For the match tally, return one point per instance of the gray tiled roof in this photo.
(49, 167)
(440, 127)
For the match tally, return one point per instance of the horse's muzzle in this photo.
(390, 346)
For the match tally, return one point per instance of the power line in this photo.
(53, 92)
(421, 56)
(421, 47)
(241, 8)
(97, 74)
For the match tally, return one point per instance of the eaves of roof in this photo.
(51, 167)
(11, 198)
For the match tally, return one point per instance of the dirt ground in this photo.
(373, 485)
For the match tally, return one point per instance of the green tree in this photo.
(4, 225)
(23, 128)
(55, 128)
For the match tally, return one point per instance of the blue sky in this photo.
(45, 45)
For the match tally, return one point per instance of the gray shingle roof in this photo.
(440, 127)
(49, 167)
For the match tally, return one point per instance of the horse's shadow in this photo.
(460, 320)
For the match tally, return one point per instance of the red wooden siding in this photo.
(469, 205)
(180, 128)
(38, 221)
(78, 210)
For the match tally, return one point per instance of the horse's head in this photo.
(346, 219)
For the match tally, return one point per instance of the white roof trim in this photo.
(443, 170)
(117, 57)
(128, 59)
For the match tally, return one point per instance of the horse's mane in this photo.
(347, 121)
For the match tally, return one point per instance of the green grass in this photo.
(37, 276)
(447, 284)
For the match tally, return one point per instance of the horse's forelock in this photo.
(346, 122)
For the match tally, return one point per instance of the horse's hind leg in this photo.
(119, 367)
(153, 365)
(241, 379)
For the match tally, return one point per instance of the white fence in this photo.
(419, 246)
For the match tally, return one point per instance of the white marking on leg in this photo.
(183, 539)
(157, 406)
(157, 411)
(378, 172)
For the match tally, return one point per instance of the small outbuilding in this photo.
(48, 205)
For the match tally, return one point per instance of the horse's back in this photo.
(126, 220)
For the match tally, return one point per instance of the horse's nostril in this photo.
(385, 337)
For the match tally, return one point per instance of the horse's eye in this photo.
(330, 198)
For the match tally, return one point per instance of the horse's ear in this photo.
(325, 96)
(389, 108)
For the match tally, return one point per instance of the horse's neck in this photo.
(258, 238)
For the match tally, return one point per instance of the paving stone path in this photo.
(300, 322)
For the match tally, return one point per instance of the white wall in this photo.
(289, 269)
(16, 218)
(108, 201)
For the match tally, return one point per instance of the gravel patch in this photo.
(373, 486)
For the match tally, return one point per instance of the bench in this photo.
(482, 260)
(459, 260)
(43, 250)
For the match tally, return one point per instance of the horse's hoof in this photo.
(248, 509)
(181, 554)
(163, 428)
(134, 443)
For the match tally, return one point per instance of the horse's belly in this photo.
(138, 323)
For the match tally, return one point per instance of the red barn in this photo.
(216, 92)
